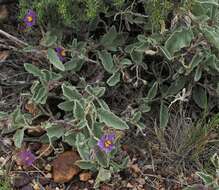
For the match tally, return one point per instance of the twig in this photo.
(16, 40)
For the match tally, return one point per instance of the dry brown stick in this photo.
(16, 40)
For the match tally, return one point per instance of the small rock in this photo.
(85, 176)
(48, 167)
(2, 160)
(48, 176)
(91, 181)
(141, 181)
(63, 167)
(129, 185)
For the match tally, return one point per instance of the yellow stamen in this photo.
(29, 18)
(107, 143)
(63, 54)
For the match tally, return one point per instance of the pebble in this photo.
(49, 176)
(129, 185)
(48, 167)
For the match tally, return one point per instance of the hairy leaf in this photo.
(54, 59)
(18, 137)
(179, 39)
(70, 92)
(111, 119)
(107, 61)
(164, 115)
(114, 79)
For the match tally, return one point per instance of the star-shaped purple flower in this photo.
(30, 18)
(60, 53)
(106, 143)
(27, 157)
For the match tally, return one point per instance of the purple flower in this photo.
(61, 53)
(106, 143)
(26, 157)
(30, 18)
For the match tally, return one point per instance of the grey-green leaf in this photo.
(78, 110)
(70, 92)
(86, 164)
(153, 91)
(18, 137)
(30, 68)
(102, 158)
(198, 74)
(54, 59)
(137, 57)
(126, 61)
(95, 91)
(211, 33)
(82, 147)
(208, 179)
(49, 40)
(66, 105)
(111, 119)
(54, 131)
(107, 61)
(164, 115)
(199, 96)
(40, 94)
(114, 79)
(102, 176)
(3, 114)
(179, 39)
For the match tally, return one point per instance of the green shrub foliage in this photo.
(68, 12)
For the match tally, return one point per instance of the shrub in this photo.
(168, 50)
(67, 12)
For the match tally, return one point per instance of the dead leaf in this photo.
(63, 167)
(35, 131)
(45, 150)
(3, 12)
(85, 176)
(135, 168)
(31, 108)
(150, 52)
(4, 55)
(129, 185)
(162, 27)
